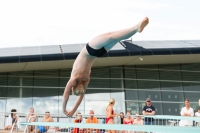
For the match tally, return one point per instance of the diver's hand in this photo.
(70, 113)
(65, 112)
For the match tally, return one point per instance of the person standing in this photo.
(186, 111)
(148, 109)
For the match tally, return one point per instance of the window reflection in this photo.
(20, 104)
(42, 105)
(154, 95)
(96, 94)
(131, 94)
(172, 108)
(2, 105)
(133, 107)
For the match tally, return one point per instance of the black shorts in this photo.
(96, 52)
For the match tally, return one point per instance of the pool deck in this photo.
(8, 131)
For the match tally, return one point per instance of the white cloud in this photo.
(48, 22)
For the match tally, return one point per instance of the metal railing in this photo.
(29, 121)
(13, 126)
(158, 120)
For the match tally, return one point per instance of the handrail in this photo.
(15, 124)
(29, 121)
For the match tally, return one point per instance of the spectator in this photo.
(138, 120)
(186, 111)
(128, 119)
(78, 119)
(31, 114)
(121, 118)
(12, 119)
(46, 118)
(197, 114)
(92, 119)
(148, 110)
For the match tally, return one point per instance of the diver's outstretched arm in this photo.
(66, 96)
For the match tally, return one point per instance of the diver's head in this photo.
(78, 89)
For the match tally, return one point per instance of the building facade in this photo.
(130, 72)
(166, 85)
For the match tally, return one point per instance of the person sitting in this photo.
(78, 119)
(12, 119)
(121, 118)
(138, 120)
(42, 129)
(31, 117)
(128, 119)
(197, 114)
(92, 119)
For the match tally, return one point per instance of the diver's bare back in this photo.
(82, 66)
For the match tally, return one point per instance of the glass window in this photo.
(173, 91)
(118, 95)
(14, 80)
(158, 108)
(116, 83)
(148, 85)
(45, 92)
(3, 105)
(46, 81)
(132, 106)
(191, 76)
(116, 72)
(147, 72)
(170, 75)
(19, 92)
(97, 94)
(131, 94)
(169, 66)
(172, 96)
(154, 95)
(194, 67)
(129, 72)
(172, 108)
(41, 105)
(63, 82)
(99, 107)
(192, 96)
(99, 83)
(176, 86)
(20, 104)
(3, 92)
(100, 72)
(191, 86)
(130, 84)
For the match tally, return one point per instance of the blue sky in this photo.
(48, 22)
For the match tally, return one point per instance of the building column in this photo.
(20, 84)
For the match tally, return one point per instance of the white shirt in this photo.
(197, 114)
(190, 111)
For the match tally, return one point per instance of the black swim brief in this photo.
(96, 52)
